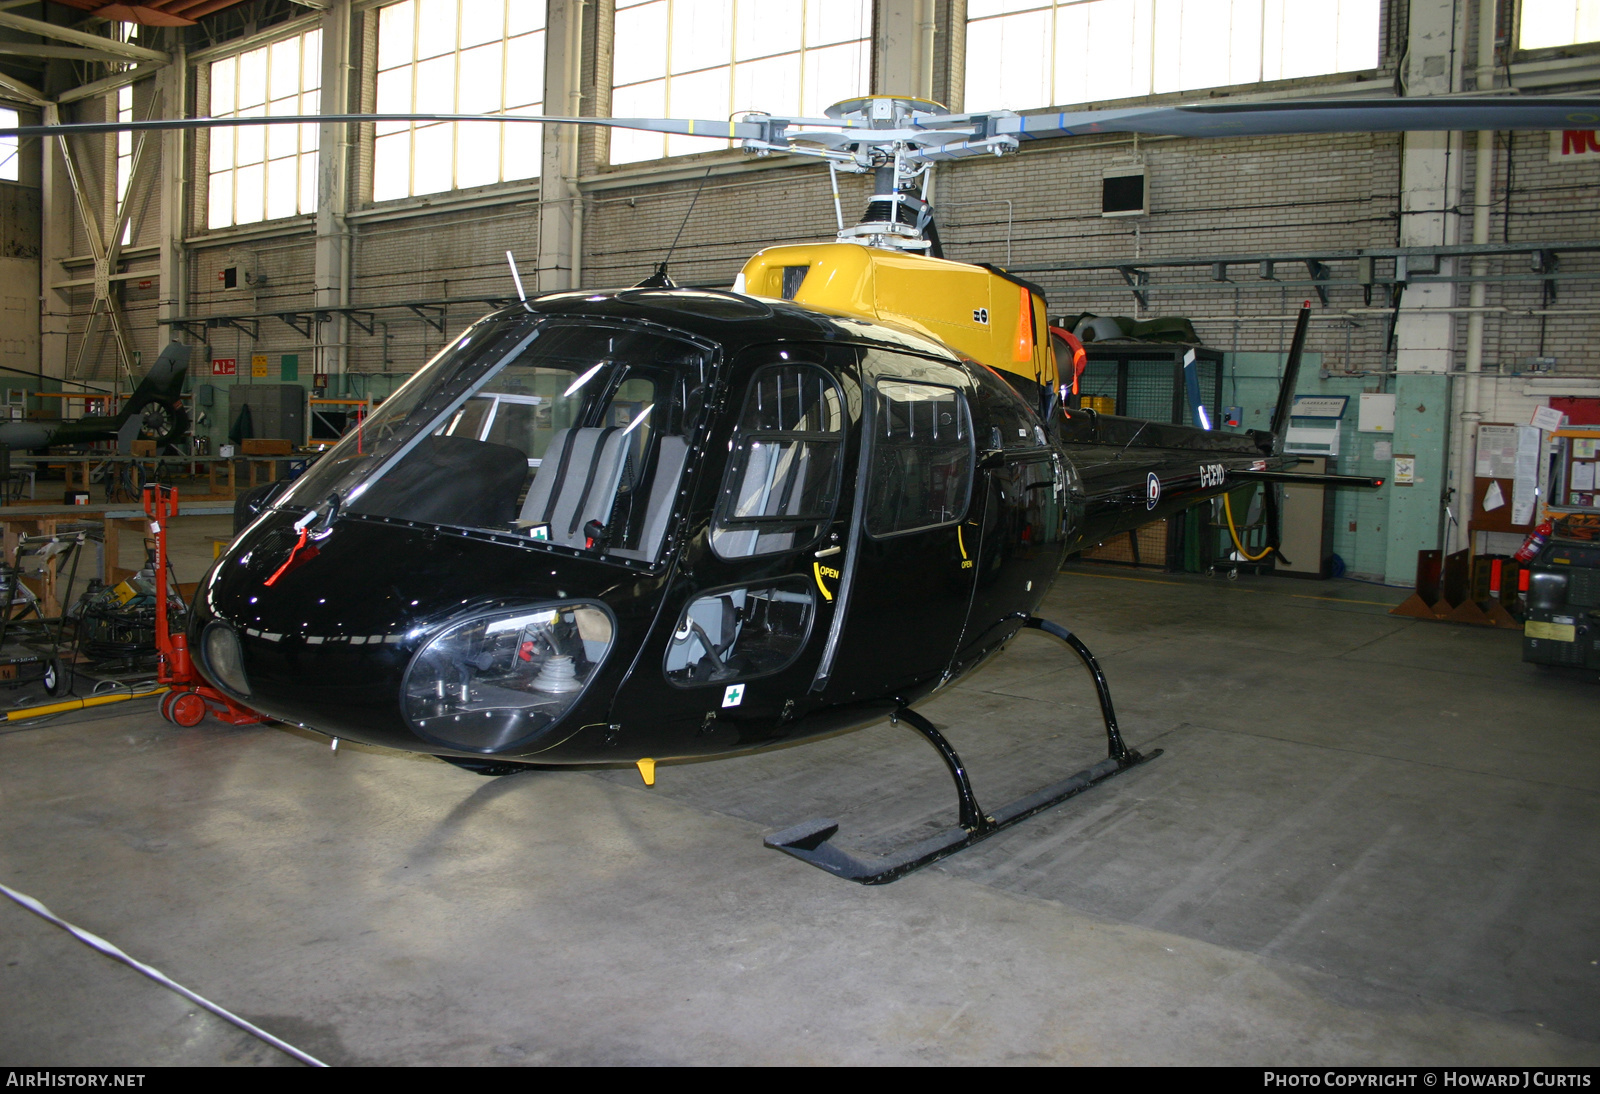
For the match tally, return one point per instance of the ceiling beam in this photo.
(110, 83)
(77, 37)
(71, 53)
(17, 88)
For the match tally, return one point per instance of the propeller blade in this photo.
(1262, 119)
(686, 126)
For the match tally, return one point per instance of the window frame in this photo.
(384, 133)
(1548, 48)
(740, 441)
(307, 153)
(674, 146)
(1144, 20)
(10, 147)
(870, 453)
(794, 583)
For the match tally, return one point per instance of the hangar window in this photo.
(124, 156)
(1027, 53)
(715, 58)
(265, 172)
(8, 146)
(457, 57)
(1559, 23)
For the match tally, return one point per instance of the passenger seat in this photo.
(671, 452)
(576, 483)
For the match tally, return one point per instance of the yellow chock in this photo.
(647, 769)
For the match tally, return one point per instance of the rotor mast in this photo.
(890, 136)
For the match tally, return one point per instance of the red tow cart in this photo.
(186, 704)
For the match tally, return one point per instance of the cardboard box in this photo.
(264, 446)
(144, 448)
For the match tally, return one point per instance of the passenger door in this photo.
(755, 596)
(907, 576)
(1019, 520)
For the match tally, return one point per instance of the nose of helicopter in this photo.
(389, 635)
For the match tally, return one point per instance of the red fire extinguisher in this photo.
(1536, 540)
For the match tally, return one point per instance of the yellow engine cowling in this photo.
(971, 309)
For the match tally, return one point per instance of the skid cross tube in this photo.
(809, 842)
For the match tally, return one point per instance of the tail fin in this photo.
(156, 403)
(1291, 376)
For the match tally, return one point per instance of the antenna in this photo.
(659, 279)
(515, 276)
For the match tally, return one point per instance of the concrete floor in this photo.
(1370, 841)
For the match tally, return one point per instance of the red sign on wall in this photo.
(1567, 146)
(224, 366)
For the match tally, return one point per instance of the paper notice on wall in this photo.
(1582, 476)
(1525, 484)
(1497, 451)
(1493, 498)
(1583, 448)
(1548, 417)
(1382, 450)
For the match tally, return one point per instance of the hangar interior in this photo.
(1366, 841)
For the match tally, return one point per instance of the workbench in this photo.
(80, 468)
(43, 520)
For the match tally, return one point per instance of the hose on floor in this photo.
(1227, 508)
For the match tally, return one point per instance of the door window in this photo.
(783, 477)
(922, 457)
(740, 633)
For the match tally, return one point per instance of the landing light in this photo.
(223, 659)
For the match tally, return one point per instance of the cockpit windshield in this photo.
(561, 432)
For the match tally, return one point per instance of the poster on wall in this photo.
(1497, 451)
(224, 366)
(258, 366)
(1525, 485)
(289, 366)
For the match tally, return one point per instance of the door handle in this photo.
(826, 551)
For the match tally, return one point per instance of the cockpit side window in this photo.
(782, 483)
(578, 439)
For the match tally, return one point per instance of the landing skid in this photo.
(809, 841)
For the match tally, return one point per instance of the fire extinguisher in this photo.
(1536, 540)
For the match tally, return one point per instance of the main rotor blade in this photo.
(1264, 119)
(692, 127)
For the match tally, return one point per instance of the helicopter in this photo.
(658, 523)
(154, 410)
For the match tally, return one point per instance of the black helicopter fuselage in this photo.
(664, 523)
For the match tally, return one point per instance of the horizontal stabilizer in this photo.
(1308, 478)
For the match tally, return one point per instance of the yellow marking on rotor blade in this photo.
(647, 769)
